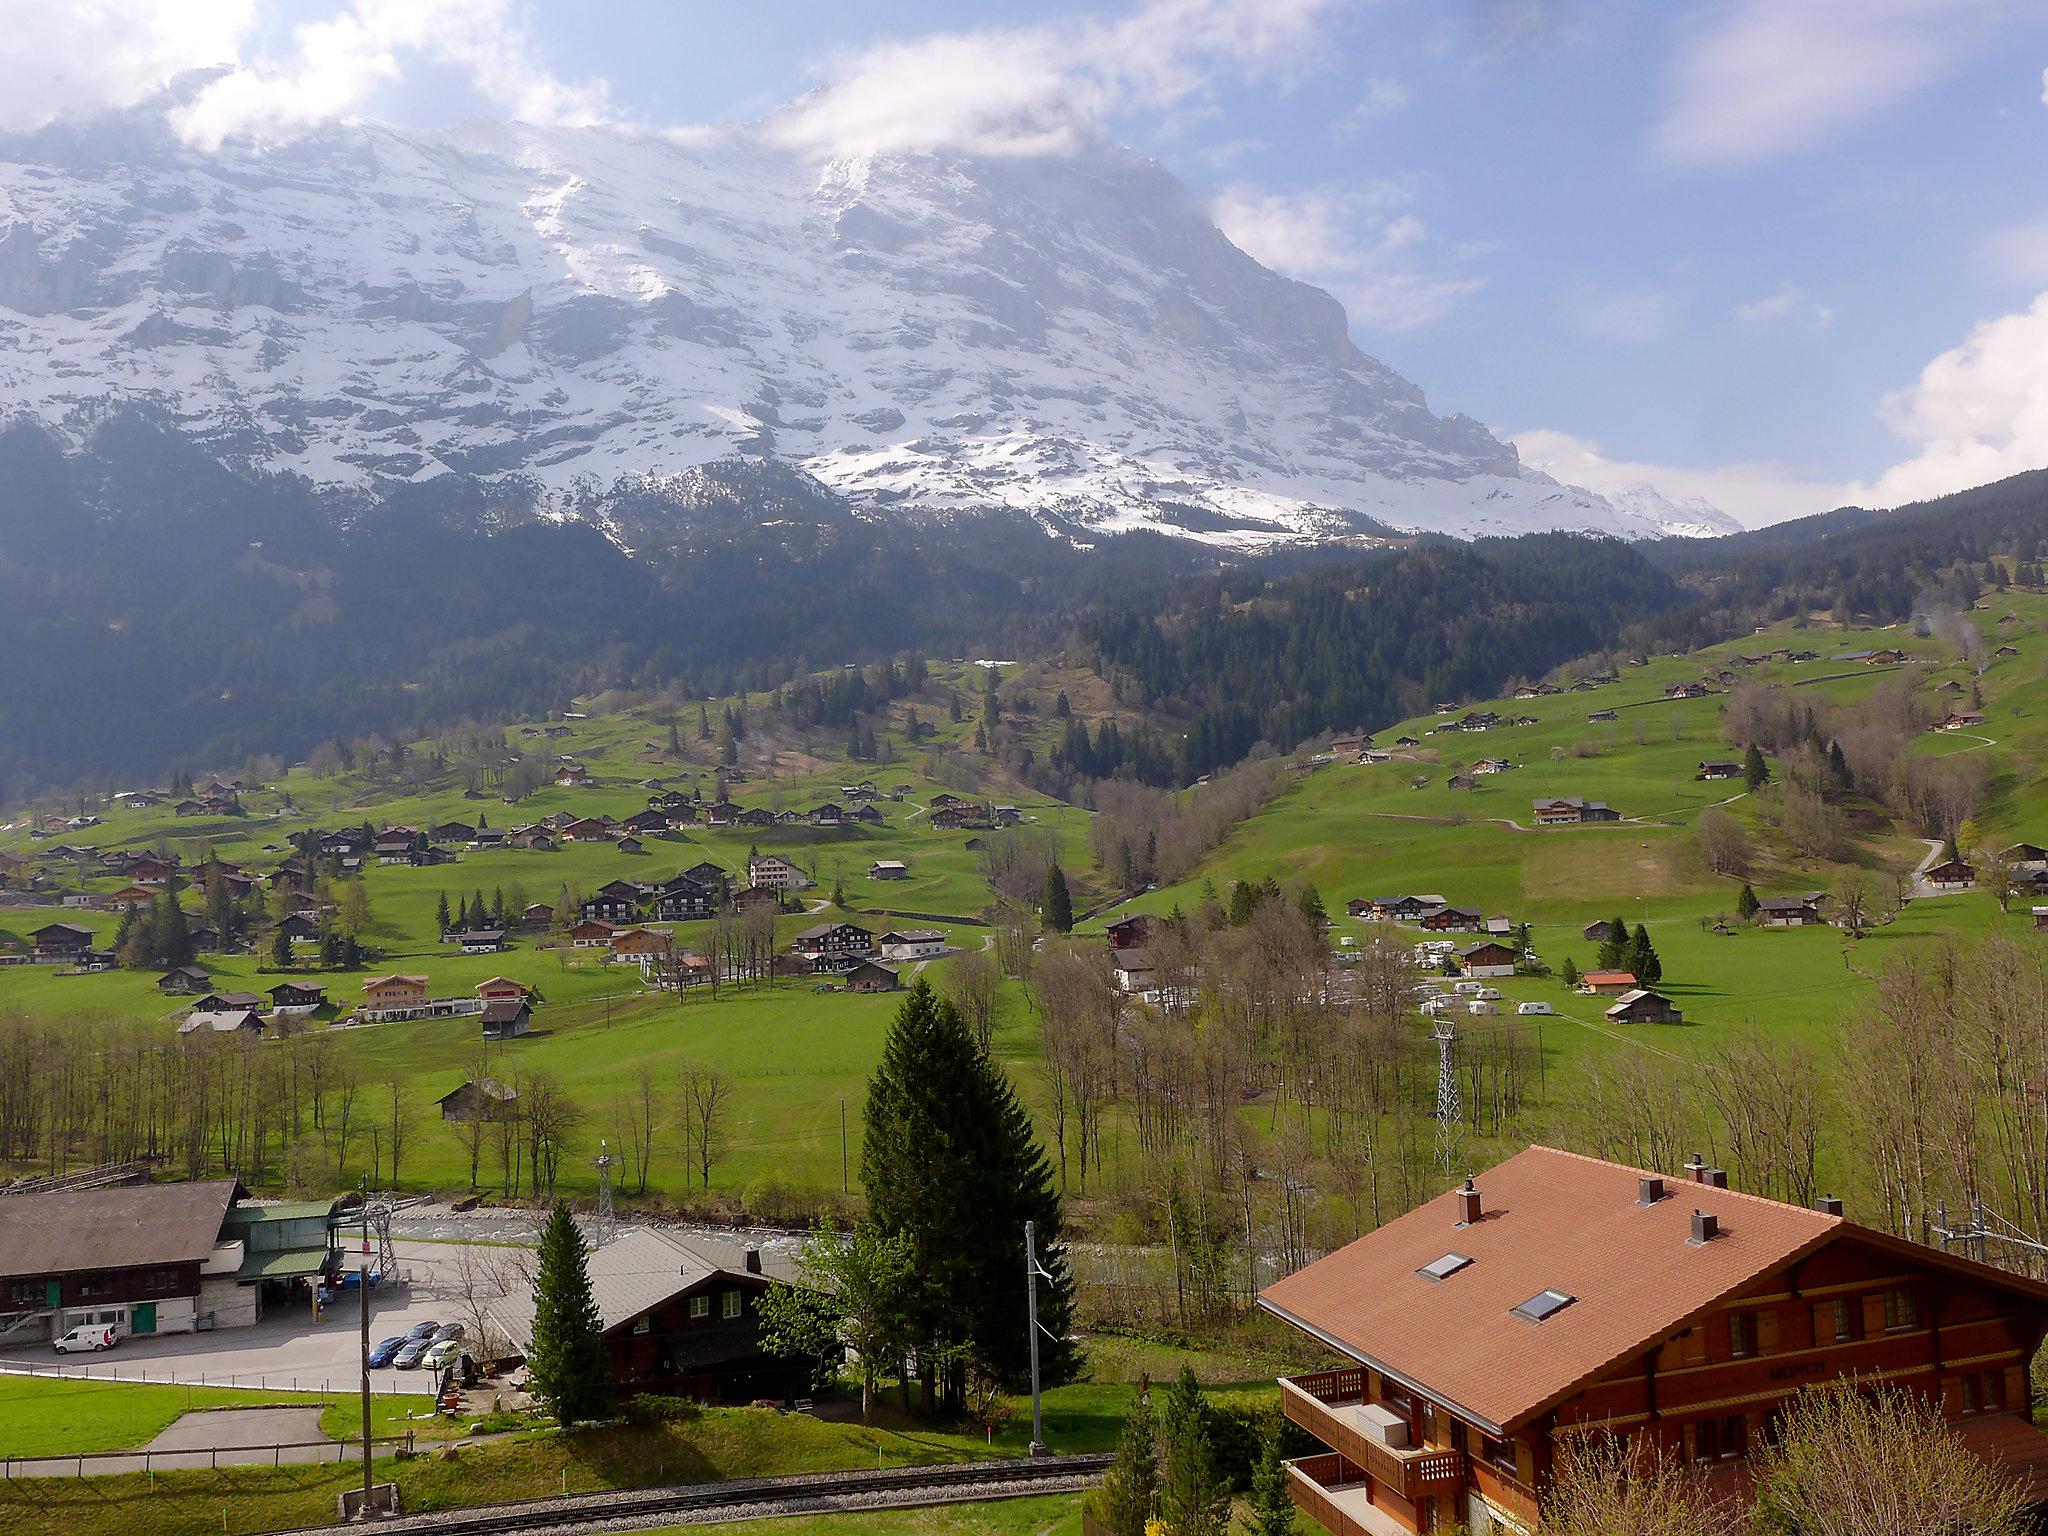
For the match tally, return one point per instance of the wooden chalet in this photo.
(394, 997)
(184, 979)
(640, 945)
(1453, 920)
(297, 999)
(60, 941)
(872, 976)
(1788, 912)
(1640, 1005)
(1607, 983)
(776, 872)
(1135, 931)
(591, 933)
(507, 1018)
(834, 946)
(888, 869)
(617, 901)
(1720, 768)
(1486, 959)
(1600, 930)
(1570, 810)
(483, 1098)
(1951, 875)
(683, 899)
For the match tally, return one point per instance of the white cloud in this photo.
(97, 55)
(2018, 254)
(1788, 301)
(1978, 412)
(1633, 315)
(1768, 76)
(1753, 494)
(1032, 89)
(91, 56)
(1360, 243)
(1382, 99)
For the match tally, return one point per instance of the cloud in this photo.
(2018, 254)
(1977, 413)
(1788, 301)
(1382, 99)
(1034, 89)
(1771, 76)
(1633, 315)
(91, 56)
(339, 62)
(1380, 261)
(1753, 494)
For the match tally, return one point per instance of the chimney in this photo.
(1649, 1189)
(753, 1259)
(1705, 1228)
(1468, 1203)
(1718, 1177)
(1695, 1169)
(1829, 1205)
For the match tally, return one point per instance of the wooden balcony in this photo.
(1337, 1496)
(1326, 1403)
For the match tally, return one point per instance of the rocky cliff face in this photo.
(1065, 337)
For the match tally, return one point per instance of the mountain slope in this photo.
(1068, 337)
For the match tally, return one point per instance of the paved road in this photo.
(1920, 888)
(230, 1437)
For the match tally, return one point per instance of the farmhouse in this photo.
(901, 944)
(587, 829)
(640, 944)
(1599, 715)
(871, 976)
(450, 832)
(591, 933)
(502, 988)
(756, 898)
(570, 775)
(1404, 909)
(834, 946)
(1133, 932)
(888, 869)
(1568, 810)
(394, 997)
(2005, 651)
(679, 1317)
(1687, 691)
(60, 941)
(1607, 983)
(481, 941)
(1454, 920)
(646, 823)
(2026, 858)
(775, 872)
(479, 1099)
(1642, 1006)
(297, 1000)
(231, 1021)
(1951, 875)
(507, 1019)
(1788, 912)
(1486, 959)
(684, 899)
(1484, 1330)
(227, 1002)
(184, 978)
(1601, 930)
(1720, 768)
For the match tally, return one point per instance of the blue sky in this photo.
(1773, 252)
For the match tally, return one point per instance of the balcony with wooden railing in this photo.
(1337, 1495)
(1326, 1404)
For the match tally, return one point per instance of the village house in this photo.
(1687, 691)
(1133, 932)
(888, 869)
(233, 1021)
(1486, 959)
(904, 944)
(834, 946)
(571, 775)
(1569, 810)
(393, 997)
(755, 898)
(183, 978)
(502, 989)
(1599, 715)
(1607, 983)
(450, 832)
(776, 872)
(1485, 1331)
(482, 1098)
(131, 896)
(1642, 1006)
(507, 1018)
(637, 946)
(227, 1002)
(648, 823)
(60, 942)
(2004, 652)
(1788, 912)
(1454, 920)
(537, 917)
(872, 976)
(1136, 970)
(481, 941)
(683, 899)
(587, 829)
(1720, 768)
(591, 933)
(1402, 909)
(487, 838)
(1951, 875)
(617, 901)
(297, 999)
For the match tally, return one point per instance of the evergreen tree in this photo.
(330, 949)
(1838, 766)
(1244, 898)
(1061, 708)
(1613, 954)
(127, 949)
(1059, 901)
(1310, 906)
(1129, 1495)
(170, 935)
(1272, 1511)
(953, 712)
(980, 738)
(675, 740)
(1641, 957)
(281, 950)
(441, 915)
(951, 1163)
(1194, 1498)
(567, 1358)
(703, 723)
(1746, 904)
(1568, 973)
(1754, 773)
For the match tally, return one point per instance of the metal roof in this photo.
(124, 1228)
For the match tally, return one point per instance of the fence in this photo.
(346, 1378)
(99, 1463)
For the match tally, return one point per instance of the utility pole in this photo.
(363, 1281)
(845, 1174)
(1031, 1274)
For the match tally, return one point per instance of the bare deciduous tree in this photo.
(706, 1093)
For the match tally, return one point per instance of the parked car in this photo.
(382, 1353)
(442, 1354)
(424, 1330)
(1532, 1007)
(448, 1331)
(414, 1351)
(92, 1336)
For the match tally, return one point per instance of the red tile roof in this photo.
(1551, 1220)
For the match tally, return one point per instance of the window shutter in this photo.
(1767, 1330)
(1873, 1314)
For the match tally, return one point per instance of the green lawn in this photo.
(1039, 1515)
(50, 1416)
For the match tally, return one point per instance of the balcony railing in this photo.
(1324, 1404)
(1336, 1495)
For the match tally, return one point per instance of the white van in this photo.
(92, 1336)
(1532, 1008)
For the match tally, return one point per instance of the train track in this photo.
(760, 1497)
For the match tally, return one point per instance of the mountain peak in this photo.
(1065, 336)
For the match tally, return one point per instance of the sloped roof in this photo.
(124, 1228)
(1552, 1220)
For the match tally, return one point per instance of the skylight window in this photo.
(1542, 1305)
(1443, 1268)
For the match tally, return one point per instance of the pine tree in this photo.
(1838, 766)
(126, 949)
(1614, 947)
(1746, 904)
(1754, 774)
(281, 950)
(567, 1359)
(703, 723)
(1129, 1495)
(441, 914)
(1194, 1499)
(1272, 1511)
(1310, 905)
(675, 740)
(1640, 955)
(1059, 901)
(1568, 973)
(1061, 708)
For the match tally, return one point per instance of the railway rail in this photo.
(761, 1497)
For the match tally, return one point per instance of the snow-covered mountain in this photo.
(1067, 336)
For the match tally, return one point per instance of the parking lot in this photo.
(286, 1350)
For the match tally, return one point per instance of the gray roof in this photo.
(92, 1229)
(640, 1269)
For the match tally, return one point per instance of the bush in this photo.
(1237, 1435)
(649, 1409)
